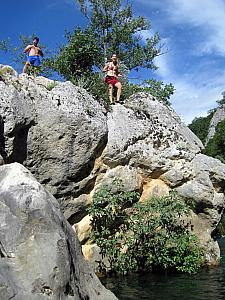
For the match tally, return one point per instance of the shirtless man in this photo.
(112, 69)
(34, 53)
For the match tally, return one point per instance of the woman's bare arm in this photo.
(105, 69)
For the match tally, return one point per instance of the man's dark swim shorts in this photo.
(34, 60)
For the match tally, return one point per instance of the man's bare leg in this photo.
(119, 88)
(25, 67)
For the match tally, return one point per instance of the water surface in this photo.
(208, 284)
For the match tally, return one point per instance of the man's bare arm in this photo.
(28, 48)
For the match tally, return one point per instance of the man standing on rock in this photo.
(34, 53)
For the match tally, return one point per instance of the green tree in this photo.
(79, 56)
(117, 30)
(216, 145)
(221, 102)
(200, 126)
(156, 88)
(111, 28)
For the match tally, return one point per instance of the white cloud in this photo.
(60, 2)
(209, 15)
(200, 85)
(195, 93)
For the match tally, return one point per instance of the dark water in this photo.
(209, 284)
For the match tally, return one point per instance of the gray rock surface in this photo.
(148, 134)
(40, 256)
(55, 129)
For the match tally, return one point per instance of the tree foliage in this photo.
(200, 126)
(79, 56)
(111, 28)
(118, 31)
(216, 145)
(156, 88)
(144, 236)
(221, 102)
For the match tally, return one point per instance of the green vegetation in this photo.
(221, 102)
(79, 56)
(143, 236)
(216, 145)
(117, 30)
(112, 28)
(200, 126)
(51, 85)
(156, 88)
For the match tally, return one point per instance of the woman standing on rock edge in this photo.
(112, 69)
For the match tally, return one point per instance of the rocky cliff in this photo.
(73, 146)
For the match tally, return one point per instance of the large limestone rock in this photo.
(55, 129)
(74, 147)
(147, 134)
(40, 256)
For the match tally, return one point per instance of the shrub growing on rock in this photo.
(147, 236)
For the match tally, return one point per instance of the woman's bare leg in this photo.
(110, 93)
(119, 88)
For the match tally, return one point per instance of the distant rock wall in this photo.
(74, 146)
(218, 116)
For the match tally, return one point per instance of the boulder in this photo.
(40, 256)
(149, 135)
(57, 130)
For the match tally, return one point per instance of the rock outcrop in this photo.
(40, 256)
(55, 129)
(73, 146)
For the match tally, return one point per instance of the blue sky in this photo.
(193, 32)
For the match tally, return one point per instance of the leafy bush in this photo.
(144, 236)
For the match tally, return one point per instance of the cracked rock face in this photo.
(54, 128)
(40, 256)
(66, 139)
